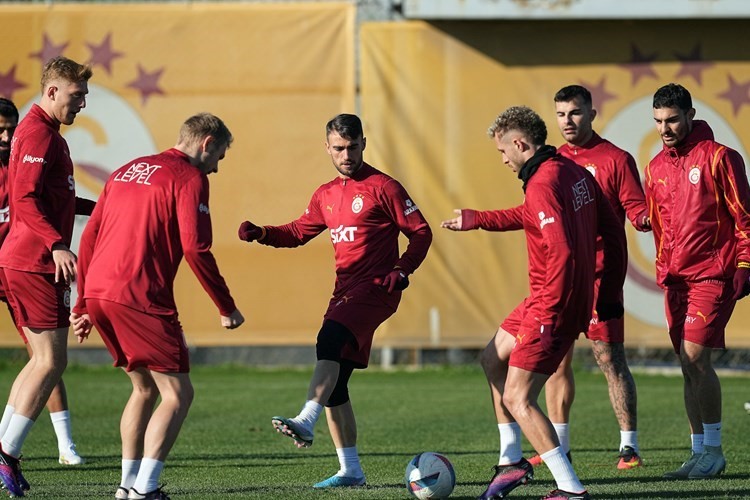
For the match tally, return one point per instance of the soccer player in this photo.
(153, 210)
(699, 203)
(616, 173)
(364, 210)
(563, 212)
(58, 401)
(36, 263)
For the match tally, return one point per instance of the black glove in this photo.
(609, 310)
(741, 281)
(250, 232)
(395, 280)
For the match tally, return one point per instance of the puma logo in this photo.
(330, 207)
(698, 313)
(519, 338)
(662, 181)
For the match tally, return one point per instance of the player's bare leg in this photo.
(494, 360)
(343, 427)
(559, 393)
(521, 398)
(322, 383)
(703, 405)
(176, 393)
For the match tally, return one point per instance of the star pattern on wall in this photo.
(9, 83)
(692, 64)
(147, 83)
(49, 50)
(599, 94)
(103, 54)
(738, 94)
(640, 65)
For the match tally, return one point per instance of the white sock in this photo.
(629, 438)
(696, 441)
(129, 473)
(15, 435)
(309, 414)
(9, 410)
(510, 443)
(563, 435)
(562, 471)
(148, 476)
(349, 462)
(61, 423)
(712, 434)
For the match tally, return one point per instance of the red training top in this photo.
(152, 210)
(41, 194)
(699, 203)
(364, 215)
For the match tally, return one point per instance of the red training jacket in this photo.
(365, 215)
(152, 210)
(699, 203)
(563, 215)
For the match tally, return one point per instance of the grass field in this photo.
(228, 448)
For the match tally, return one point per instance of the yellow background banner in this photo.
(431, 90)
(428, 91)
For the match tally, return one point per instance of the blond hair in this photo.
(198, 127)
(66, 69)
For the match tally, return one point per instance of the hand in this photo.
(395, 280)
(740, 281)
(550, 341)
(611, 310)
(643, 223)
(465, 221)
(250, 232)
(233, 320)
(65, 264)
(82, 325)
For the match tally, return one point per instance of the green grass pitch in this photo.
(228, 449)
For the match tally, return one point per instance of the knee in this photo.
(146, 392)
(515, 402)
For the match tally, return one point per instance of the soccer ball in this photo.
(430, 475)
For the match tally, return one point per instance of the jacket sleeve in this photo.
(86, 250)
(410, 221)
(615, 250)
(27, 187)
(557, 250)
(84, 206)
(194, 222)
(509, 219)
(731, 178)
(298, 232)
(630, 191)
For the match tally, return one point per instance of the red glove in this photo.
(550, 341)
(395, 280)
(643, 223)
(741, 280)
(250, 232)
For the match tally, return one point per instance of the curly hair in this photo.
(523, 119)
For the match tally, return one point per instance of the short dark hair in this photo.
(8, 109)
(346, 125)
(673, 95)
(567, 94)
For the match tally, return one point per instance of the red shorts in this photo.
(139, 340)
(3, 298)
(37, 301)
(362, 310)
(699, 313)
(612, 331)
(527, 352)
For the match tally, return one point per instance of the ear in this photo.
(519, 144)
(50, 92)
(328, 147)
(691, 114)
(364, 143)
(207, 143)
(593, 114)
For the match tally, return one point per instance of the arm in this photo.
(196, 238)
(631, 196)
(293, 234)
(730, 176)
(510, 219)
(410, 221)
(615, 252)
(84, 206)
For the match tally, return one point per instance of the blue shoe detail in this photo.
(290, 429)
(340, 482)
